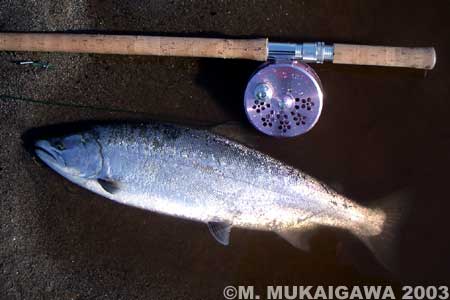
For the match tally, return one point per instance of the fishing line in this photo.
(168, 118)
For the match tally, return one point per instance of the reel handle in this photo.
(254, 49)
(418, 58)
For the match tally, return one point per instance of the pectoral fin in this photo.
(109, 185)
(299, 238)
(220, 231)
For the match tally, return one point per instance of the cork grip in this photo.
(255, 49)
(419, 58)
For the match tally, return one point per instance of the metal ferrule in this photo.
(307, 52)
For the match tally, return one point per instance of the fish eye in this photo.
(59, 146)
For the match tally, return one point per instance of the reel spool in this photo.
(284, 99)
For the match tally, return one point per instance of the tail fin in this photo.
(392, 209)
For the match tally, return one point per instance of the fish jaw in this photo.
(49, 155)
(53, 159)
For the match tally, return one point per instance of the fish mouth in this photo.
(48, 154)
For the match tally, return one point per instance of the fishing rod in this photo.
(283, 98)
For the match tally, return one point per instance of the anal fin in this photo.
(300, 237)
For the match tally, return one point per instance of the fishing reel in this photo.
(284, 97)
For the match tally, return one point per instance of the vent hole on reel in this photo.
(258, 110)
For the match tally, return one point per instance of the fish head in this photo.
(73, 156)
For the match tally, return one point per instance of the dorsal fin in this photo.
(237, 132)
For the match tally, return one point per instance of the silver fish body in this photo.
(198, 175)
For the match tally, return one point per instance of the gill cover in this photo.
(74, 155)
